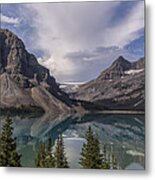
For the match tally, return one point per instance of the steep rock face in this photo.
(116, 70)
(12, 95)
(20, 72)
(17, 62)
(44, 98)
(121, 86)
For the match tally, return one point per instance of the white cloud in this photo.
(74, 25)
(9, 20)
(59, 68)
(62, 28)
(128, 29)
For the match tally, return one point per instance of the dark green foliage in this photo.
(24, 110)
(41, 157)
(59, 154)
(90, 155)
(45, 157)
(8, 154)
(114, 162)
(50, 161)
(105, 162)
(91, 158)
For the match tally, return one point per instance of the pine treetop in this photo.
(8, 154)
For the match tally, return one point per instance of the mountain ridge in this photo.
(21, 75)
(121, 86)
(26, 83)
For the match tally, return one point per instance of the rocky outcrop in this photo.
(121, 86)
(119, 68)
(22, 78)
(116, 70)
(12, 95)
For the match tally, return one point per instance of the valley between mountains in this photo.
(25, 84)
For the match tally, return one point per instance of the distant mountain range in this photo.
(121, 86)
(25, 83)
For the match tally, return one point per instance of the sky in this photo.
(77, 41)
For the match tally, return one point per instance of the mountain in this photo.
(119, 68)
(121, 86)
(24, 82)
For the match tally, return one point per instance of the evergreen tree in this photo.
(9, 157)
(90, 155)
(59, 154)
(50, 161)
(40, 160)
(114, 162)
(105, 163)
(104, 155)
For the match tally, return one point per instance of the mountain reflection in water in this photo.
(123, 134)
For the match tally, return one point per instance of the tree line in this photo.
(92, 155)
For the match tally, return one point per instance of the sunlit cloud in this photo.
(79, 37)
(9, 20)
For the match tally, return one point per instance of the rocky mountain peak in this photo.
(10, 47)
(23, 76)
(116, 70)
(22, 66)
(121, 86)
(121, 62)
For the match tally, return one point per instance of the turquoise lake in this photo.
(124, 135)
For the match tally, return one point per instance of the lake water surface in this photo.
(123, 134)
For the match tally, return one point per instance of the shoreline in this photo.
(36, 110)
(128, 112)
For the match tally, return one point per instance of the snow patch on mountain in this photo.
(133, 71)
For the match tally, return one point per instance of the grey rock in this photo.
(20, 74)
(121, 86)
